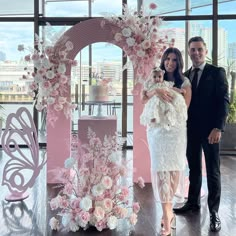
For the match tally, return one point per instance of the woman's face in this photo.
(170, 63)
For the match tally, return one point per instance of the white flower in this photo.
(126, 32)
(118, 37)
(38, 78)
(66, 218)
(51, 100)
(115, 157)
(140, 53)
(46, 63)
(61, 68)
(130, 41)
(85, 204)
(97, 190)
(69, 45)
(37, 64)
(54, 223)
(50, 74)
(73, 226)
(69, 162)
(39, 106)
(112, 222)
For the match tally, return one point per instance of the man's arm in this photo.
(222, 99)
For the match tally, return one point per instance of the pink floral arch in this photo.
(58, 137)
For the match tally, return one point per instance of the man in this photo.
(206, 120)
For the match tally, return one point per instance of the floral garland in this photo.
(50, 82)
(138, 34)
(93, 194)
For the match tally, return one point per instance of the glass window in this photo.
(13, 88)
(227, 50)
(105, 7)
(177, 8)
(175, 30)
(59, 8)
(227, 7)
(16, 7)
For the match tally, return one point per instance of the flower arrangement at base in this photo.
(138, 34)
(93, 193)
(46, 67)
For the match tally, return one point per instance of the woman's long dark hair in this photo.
(178, 73)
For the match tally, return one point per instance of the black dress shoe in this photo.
(215, 224)
(186, 208)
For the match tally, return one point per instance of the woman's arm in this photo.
(187, 94)
(186, 91)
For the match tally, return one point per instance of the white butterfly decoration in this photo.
(24, 166)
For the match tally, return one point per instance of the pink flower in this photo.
(58, 107)
(99, 213)
(141, 182)
(83, 218)
(21, 47)
(35, 57)
(136, 207)
(107, 182)
(27, 58)
(100, 225)
(68, 189)
(73, 62)
(123, 212)
(33, 86)
(152, 6)
(125, 191)
(107, 203)
(54, 203)
(133, 219)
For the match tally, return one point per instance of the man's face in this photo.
(197, 52)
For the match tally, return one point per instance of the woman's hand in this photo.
(181, 91)
(164, 95)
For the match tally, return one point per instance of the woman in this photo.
(168, 146)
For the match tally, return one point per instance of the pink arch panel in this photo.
(58, 137)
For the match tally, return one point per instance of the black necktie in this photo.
(195, 80)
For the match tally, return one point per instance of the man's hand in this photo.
(214, 136)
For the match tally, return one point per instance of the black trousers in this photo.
(195, 145)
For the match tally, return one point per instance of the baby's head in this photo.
(157, 75)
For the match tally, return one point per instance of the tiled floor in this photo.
(30, 217)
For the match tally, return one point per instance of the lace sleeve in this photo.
(186, 83)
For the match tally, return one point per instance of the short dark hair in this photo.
(196, 39)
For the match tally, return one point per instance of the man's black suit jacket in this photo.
(209, 107)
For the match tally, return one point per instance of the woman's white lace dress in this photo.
(167, 146)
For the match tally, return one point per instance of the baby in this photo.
(159, 112)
